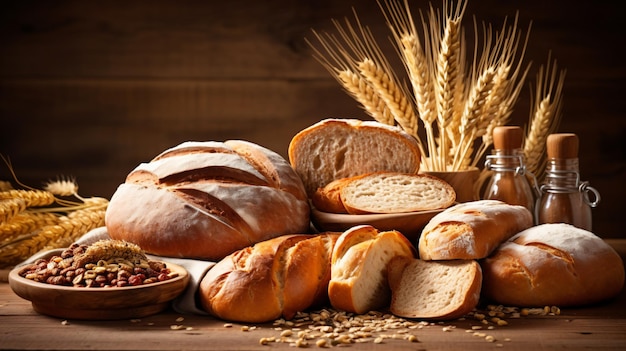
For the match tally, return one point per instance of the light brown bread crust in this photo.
(339, 148)
(272, 279)
(553, 265)
(206, 200)
(358, 281)
(471, 230)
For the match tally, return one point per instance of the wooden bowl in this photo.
(99, 303)
(410, 223)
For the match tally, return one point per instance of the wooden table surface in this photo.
(601, 327)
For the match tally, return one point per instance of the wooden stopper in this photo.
(507, 137)
(562, 145)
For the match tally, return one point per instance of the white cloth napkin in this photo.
(184, 303)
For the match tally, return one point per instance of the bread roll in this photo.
(358, 280)
(207, 199)
(339, 148)
(553, 265)
(274, 278)
(471, 230)
(437, 290)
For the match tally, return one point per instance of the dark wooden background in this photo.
(89, 89)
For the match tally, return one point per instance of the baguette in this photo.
(272, 279)
(439, 290)
(553, 265)
(339, 148)
(471, 230)
(358, 282)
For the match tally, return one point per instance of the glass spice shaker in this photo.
(509, 182)
(564, 198)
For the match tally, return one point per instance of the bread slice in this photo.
(339, 148)
(358, 281)
(390, 192)
(439, 290)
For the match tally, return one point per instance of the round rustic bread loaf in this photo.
(553, 264)
(208, 199)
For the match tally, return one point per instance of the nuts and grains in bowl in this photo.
(106, 263)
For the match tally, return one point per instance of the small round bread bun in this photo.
(553, 265)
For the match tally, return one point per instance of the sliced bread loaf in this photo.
(440, 290)
(340, 148)
(388, 192)
(358, 281)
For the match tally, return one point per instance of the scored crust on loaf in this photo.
(339, 148)
(274, 278)
(434, 289)
(471, 230)
(390, 192)
(206, 200)
(358, 282)
(553, 264)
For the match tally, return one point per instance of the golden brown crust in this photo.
(553, 264)
(471, 230)
(358, 282)
(274, 278)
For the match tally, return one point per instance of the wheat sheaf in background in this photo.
(458, 97)
(34, 220)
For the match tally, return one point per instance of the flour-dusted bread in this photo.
(389, 192)
(272, 279)
(471, 230)
(434, 289)
(358, 281)
(339, 148)
(553, 265)
(208, 199)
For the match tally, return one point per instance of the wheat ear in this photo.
(60, 234)
(393, 95)
(449, 76)
(362, 92)
(25, 222)
(545, 116)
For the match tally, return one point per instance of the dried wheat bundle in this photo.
(545, 116)
(458, 98)
(32, 220)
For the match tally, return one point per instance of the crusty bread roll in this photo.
(437, 290)
(207, 199)
(471, 230)
(340, 148)
(358, 281)
(553, 265)
(274, 278)
(384, 192)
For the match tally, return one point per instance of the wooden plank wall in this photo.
(91, 89)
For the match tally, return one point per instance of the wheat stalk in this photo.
(545, 116)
